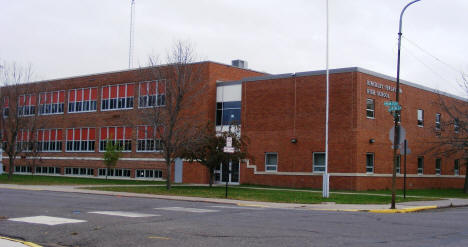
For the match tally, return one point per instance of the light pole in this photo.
(396, 117)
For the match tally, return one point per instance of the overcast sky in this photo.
(62, 38)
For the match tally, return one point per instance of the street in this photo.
(97, 220)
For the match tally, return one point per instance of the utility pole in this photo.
(396, 117)
(325, 180)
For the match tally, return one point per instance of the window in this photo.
(81, 140)
(114, 172)
(75, 171)
(370, 162)
(121, 136)
(271, 162)
(228, 113)
(456, 125)
(370, 108)
(148, 174)
(6, 106)
(27, 105)
(49, 140)
(148, 139)
(82, 100)
(438, 161)
(437, 121)
(51, 102)
(420, 165)
(456, 167)
(23, 140)
(115, 97)
(23, 169)
(420, 117)
(398, 166)
(319, 162)
(152, 93)
(47, 170)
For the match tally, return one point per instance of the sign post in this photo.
(229, 149)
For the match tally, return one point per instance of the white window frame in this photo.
(126, 98)
(154, 171)
(420, 170)
(398, 167)
(420, 117)
(83, 99)
(88, 169)
(51, 104)
(80, 140)
(438, 117)
(438, 166)
(370, 110)
(314, 163)
(50, 135)
(146, 139)
(28, 105)
(456, 125)
(267, 165)
(115, 138)
(456, 167)
(373, 163)
(147, 105)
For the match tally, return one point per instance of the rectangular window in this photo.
(82, 100)
(438, 162)
(437, 121)
(24, 140)
(6, 106)
(420, 117)
(228, 113)
(152, 93)
(148, 139)
(456, 125)
(319, 162)
(23, 169)
(51, 102)
(420, 165)
(370, 108)
(77, 171)
(114, 172)
(121, 136)
(49, 140)
(370, 162)
(398, 166)
(27, 105)
(81, 140)
(117, 97)
(47, 170)
(271, 162)
(456, 167)
(148, 174)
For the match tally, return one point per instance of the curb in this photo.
(405, 210)
(21, 241)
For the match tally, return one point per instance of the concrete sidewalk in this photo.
(10, 242)
(330, 206)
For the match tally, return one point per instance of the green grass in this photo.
(441, 193)
(59, 180)
(260, 195)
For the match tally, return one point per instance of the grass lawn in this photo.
(260, 195)
(441, 193)
(60, 180)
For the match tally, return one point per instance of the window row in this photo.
(83, 171)
(113, 97)
(370, 113)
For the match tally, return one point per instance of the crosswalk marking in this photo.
(191, 210)
(237, 207)
(46, 220)
(124, 214)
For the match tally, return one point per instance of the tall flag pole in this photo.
(325, 180)
(132, 31)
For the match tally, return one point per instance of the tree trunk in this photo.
(465, 187)
(10, 167)
(211, 177)
(168, 177)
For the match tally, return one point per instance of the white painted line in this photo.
(237, 207)
(191, 210)
(124, 214)
(46, 220)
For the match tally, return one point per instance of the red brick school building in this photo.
(283, 117)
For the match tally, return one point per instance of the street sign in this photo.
(390, 103)
(391, 134)
(228, 150)
(392, 106)
(228, 141)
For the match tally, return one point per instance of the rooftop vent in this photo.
(240, 64)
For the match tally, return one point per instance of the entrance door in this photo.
(222, 175)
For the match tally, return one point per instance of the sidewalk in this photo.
(377, 208)
(9, 242)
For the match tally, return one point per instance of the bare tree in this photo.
(451, 129)
(13, 110)
(174, 114)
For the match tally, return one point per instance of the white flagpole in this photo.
(325, 187)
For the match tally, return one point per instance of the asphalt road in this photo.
(180, 223)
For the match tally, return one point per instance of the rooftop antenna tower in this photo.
(132, 31)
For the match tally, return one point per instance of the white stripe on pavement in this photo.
(191, 210)
(237, 207)
(46, 220)
(124, 214)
